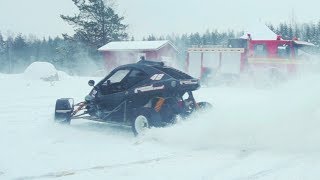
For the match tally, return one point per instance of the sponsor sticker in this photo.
(188, 82)
(148, 88)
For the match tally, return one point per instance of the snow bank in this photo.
(63, 75)
(41, 71)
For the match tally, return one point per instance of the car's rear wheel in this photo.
(204, 105)
(63, 110)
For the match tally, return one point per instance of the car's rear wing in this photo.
(152, 63)
(175, 73)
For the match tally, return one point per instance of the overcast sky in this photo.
(159, 17)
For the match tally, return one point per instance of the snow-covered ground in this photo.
(250, 134)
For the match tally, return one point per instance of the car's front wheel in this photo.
(63, 110)
(140, 125)
(144, 119)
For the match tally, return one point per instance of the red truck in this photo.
(276, 58)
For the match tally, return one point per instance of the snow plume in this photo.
(82, 64)
(311, 65)
(285, 118)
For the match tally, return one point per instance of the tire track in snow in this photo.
(59, 174)
(269, 171)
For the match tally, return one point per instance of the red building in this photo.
(123, 52)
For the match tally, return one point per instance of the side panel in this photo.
(194, 68)
(230, 63)
(211, 60)
(216, 60)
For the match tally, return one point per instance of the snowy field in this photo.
(250, 134)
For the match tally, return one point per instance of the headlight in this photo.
(88, 98)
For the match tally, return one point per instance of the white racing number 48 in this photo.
(157, 77)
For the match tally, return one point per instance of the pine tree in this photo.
(196, 39)
(2, 44)
(290, 32)
(2, 54)
(318, 33)
(284, 31)
(206, 38)
(314, 33)
(20, 54)
(307, 33)
(214, 37)
(9, 56)
(96, 24)
(297, 32)
(151, 38)
(271, 27)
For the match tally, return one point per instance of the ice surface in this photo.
(250, 134)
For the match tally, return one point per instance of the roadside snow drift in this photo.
(41, 71)
(250, 134)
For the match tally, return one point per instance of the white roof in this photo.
(304, 43)
(259, 31)
(135, 45)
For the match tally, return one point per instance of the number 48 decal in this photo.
(157, 77)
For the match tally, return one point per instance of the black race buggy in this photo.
(141, 95)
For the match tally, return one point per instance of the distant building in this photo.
(123, 52)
